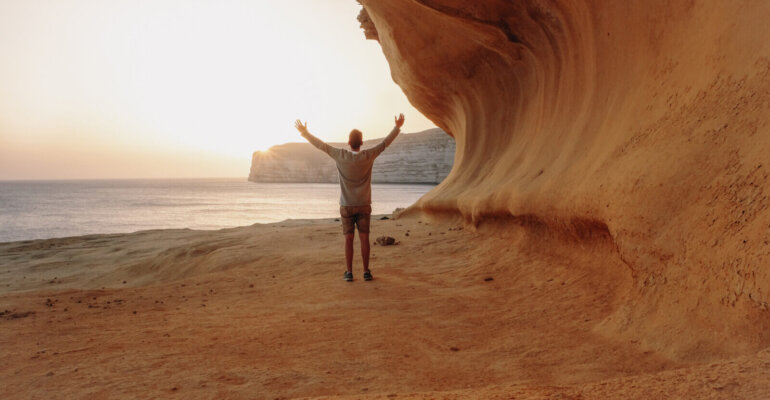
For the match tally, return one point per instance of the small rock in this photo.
(384, 217)
(489, 279)
(454, 349)
(386, 241)
(336, 220)
(406, 234)
(19, 315)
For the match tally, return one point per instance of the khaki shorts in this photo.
(353, 216)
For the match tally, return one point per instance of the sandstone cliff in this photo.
(643, 122)
(424, 157)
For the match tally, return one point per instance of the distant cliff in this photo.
(423, 157)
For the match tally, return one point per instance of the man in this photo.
(355, 170)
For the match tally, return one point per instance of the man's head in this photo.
(356, 139)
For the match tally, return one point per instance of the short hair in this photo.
(356, 139)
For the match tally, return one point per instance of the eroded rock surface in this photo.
(644, 121)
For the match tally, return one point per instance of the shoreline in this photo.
(286, 222)
(308, 221)
(42, 210)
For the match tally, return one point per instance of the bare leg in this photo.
(349, 251)
(364, 237)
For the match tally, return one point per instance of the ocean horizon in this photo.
(42, 209)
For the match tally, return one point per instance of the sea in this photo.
(48, 209)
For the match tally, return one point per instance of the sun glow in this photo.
(217, 78)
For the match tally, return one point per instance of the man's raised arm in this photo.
(318, 143)
(379, 148)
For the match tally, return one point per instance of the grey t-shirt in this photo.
(355, 169)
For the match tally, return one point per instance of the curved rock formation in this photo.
(423, 157)
(645, 121)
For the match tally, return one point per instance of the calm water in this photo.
(46, 209)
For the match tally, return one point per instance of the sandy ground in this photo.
(502, 311)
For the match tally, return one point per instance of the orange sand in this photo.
(262, 312)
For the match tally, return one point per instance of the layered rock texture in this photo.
(424, 157)
(642, 124)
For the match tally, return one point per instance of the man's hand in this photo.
(399, 120)
(300, 127)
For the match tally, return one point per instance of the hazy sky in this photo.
(162, 88)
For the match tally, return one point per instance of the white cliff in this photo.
(423, 157)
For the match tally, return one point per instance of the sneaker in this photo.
(348, 276)
(368, 275)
